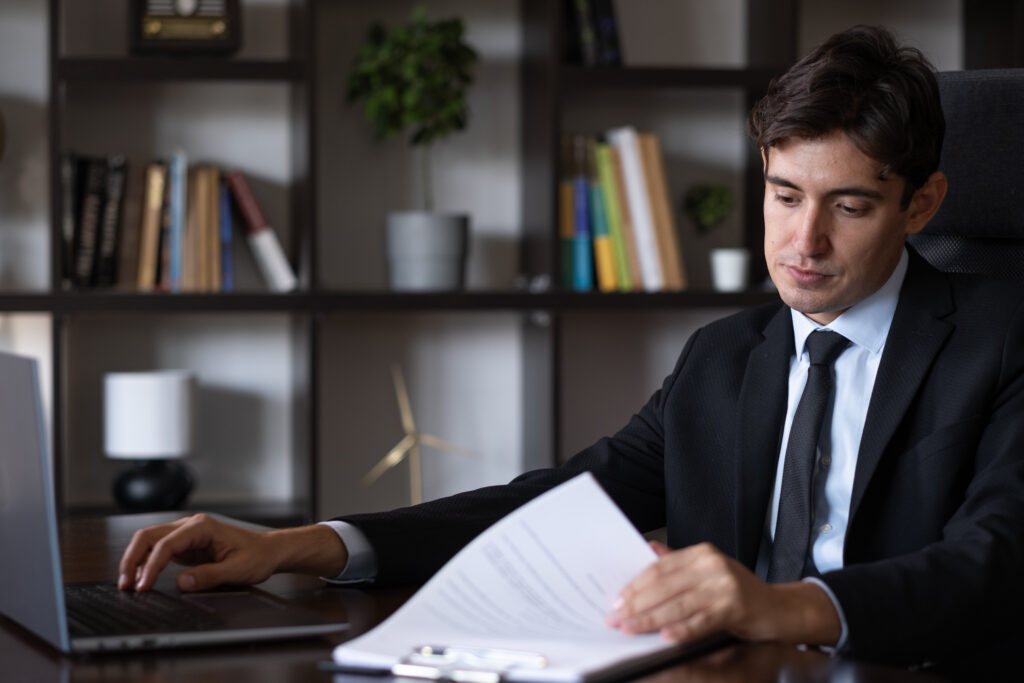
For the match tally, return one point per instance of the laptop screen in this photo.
(31, 584)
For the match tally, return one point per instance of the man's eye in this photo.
(785, 200)
(852, 210)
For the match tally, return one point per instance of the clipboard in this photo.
(454, 663)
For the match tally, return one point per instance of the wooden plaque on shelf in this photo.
(185, 26)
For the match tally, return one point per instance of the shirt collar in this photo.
(867, 322)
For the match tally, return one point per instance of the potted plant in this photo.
(414, 78)
(708, 205)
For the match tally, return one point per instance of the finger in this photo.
(189, 536)
(659, 548)
(678, 608)
(137, 552)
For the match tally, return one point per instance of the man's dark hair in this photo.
(862, 83)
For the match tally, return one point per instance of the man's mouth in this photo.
(806, 276)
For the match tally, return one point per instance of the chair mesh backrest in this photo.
(980, 226)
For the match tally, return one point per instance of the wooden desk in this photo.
(92, 547)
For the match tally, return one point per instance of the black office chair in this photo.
(980, 226)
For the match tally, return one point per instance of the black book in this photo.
(105, 273)
(94, 172)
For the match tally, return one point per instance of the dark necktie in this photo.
(793, 527)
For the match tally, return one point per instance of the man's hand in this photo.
(223, 553)
(695, 592)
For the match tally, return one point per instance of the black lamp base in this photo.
(152, 485)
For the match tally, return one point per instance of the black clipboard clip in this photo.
(464, 664)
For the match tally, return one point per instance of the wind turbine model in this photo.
(409, 445)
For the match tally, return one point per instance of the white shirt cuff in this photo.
(362, 560)
(838, 647)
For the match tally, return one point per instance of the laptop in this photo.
(94, 617)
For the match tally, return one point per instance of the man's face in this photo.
(834, 229)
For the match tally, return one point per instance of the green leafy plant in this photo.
(415, 78)
(708, 205)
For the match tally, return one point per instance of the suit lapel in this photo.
(916, 336)
(762, 412)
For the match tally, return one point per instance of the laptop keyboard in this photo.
(97, 609)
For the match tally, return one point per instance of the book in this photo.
(582, 251)
(105, 270)
(585, 26)
(625, 141)
(191, 259)
(661, 210)
(211, 182)
(604, 256)
(131, 226)
(532, 591)
(178, 203)
(566, 213)
(613, 213)
(227, 261)
(150, 231)
(606, 33)
(88, 229)
(266, 249)
(628, 237)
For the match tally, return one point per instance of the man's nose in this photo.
(810, 237)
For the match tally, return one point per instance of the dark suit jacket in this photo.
(934, 554)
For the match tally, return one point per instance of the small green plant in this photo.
(415, 78)
(708, 205)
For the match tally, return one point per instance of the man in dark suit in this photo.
(844, 469)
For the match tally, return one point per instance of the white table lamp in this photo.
(148, 418)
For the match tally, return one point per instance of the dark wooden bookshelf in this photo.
(157, 69)
(574, 77)
(354, 301)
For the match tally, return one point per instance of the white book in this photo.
(526, 599)
(625, 140)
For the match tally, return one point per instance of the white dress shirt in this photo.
(866, 325)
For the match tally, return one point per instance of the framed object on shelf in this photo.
(185, 26)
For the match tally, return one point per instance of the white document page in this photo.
(540, 580)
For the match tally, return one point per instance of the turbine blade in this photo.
(392, 458)
(402, 394)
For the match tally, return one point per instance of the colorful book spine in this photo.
(625, 140)
(613, 212)
(604, 258)
(227, 261)
(266, 249)
(673, 271)
(566, 214)
(583, 254)
(178, 183)
(152, 220)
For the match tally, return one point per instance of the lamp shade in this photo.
(148, 415)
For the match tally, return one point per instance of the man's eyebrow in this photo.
(854, 191)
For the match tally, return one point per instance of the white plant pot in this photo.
(730, 268)
(427, 251)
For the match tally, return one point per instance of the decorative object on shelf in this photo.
(707, 206)
(415, 78)
(185, 26)
(409, 445)
(149, 419)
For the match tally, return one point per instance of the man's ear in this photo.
(926, 201)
